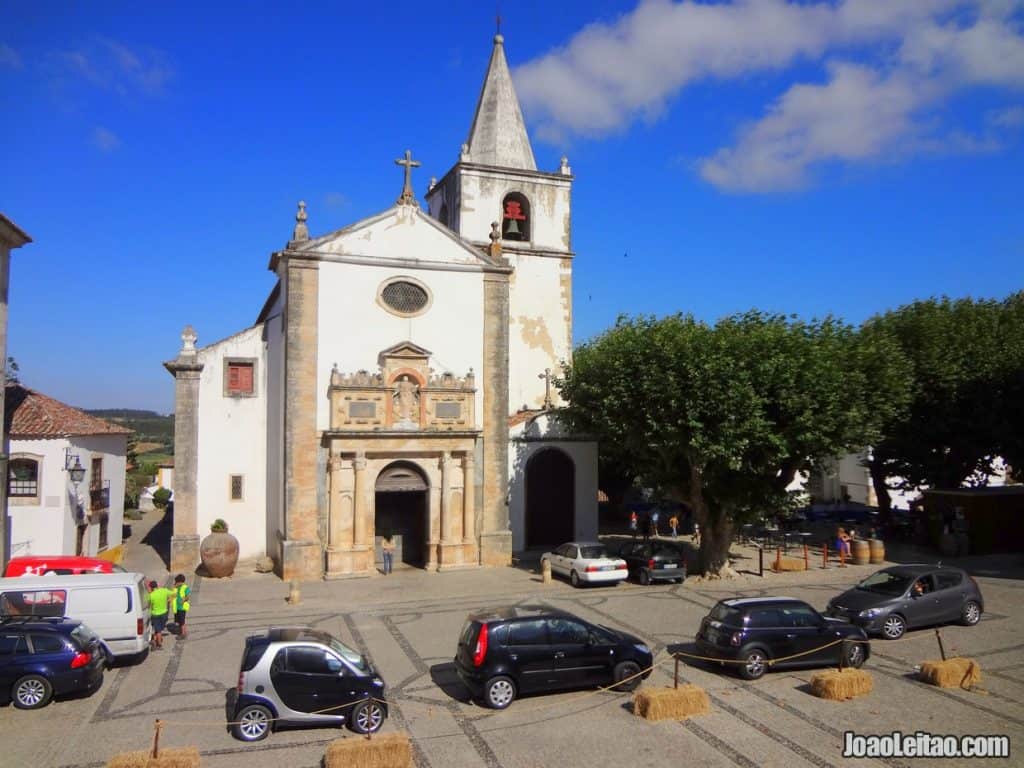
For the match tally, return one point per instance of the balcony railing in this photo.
(99, 498)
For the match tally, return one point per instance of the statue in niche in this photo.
(406, 400)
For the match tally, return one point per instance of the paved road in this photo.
(408, 624)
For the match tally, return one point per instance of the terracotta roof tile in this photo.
(29, 414)
(520, 417)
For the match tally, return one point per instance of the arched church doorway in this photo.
(401, 508)
(550, 498)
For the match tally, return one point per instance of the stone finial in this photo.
(433, 183)
(495, 249)
(301, 231)
(563, 167)
(464, 153)
(188, 340)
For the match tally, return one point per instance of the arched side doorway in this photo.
(401, 508)
(550, 498)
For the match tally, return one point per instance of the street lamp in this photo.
(76, 471)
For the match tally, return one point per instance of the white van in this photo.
(114, 605)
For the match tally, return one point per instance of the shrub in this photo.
(219, 526)
(161, 498)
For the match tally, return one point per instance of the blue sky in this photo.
(807, 158)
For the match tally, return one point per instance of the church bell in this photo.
(512, 228)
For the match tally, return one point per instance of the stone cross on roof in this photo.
(408, 198)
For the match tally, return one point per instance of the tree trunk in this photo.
(877, 471)
(715, 530)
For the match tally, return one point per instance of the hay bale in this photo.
(951, 673)
(392, 750)
(841, 684)
(174, 757)
(789, 564)
(671, 703)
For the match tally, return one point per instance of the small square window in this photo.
(236, 487)
(239, 377)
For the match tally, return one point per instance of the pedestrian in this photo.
(634, 521)
(160, 599)
(387, 551)
(654, 522)
(696, 533)
(182, 592)
(673, 523)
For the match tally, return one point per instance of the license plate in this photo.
(609, 568)
(669, 565)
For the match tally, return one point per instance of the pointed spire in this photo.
(498, 134)
(301, 232)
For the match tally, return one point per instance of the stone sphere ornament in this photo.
(219, 551)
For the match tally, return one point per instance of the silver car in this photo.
(303, 677)
(903, 597)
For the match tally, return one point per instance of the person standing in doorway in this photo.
(160, 599)
(182, 592)
(634, 522)
(387, 551)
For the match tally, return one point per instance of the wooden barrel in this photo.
(877, 549)
(860, 552)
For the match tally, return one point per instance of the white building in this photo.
(397, 379)
(50, 514)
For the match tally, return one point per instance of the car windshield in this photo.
(885, 583)
(664, 550)
(592, 552)
(348, 654)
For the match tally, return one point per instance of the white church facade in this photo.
(398, 379)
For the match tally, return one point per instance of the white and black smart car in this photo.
(298, 676)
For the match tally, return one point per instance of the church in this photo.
(397, 380)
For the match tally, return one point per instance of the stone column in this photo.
(301, 549)
(495, 534)
(336, 525)
(446, 498)
(186, 370)
(359, 492)
(468, 499)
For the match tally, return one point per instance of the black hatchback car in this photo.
(506, 652)
(300, 676)
(42, 658)
(759, 632)
(652, 561)
(892, 600)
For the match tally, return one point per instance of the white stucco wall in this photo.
(232, 441)
(540, 326)
(49, 527)
(541, 433)
(354, 328)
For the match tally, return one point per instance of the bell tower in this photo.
(496, 180)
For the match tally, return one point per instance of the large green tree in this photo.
(724, 416)
(966, 366)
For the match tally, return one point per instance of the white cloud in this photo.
(9, 57)
(105, 140)
(113, 66)
(887, 67)
(1011, 117)
(335, 200)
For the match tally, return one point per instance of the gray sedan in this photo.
(909, 596)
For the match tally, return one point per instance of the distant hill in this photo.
(149, 426)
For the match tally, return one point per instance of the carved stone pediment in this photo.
(403, 395)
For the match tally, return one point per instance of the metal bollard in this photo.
(294, 596)
(824, 556)
(807, 558)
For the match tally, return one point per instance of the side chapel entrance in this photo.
(550, 498)
(401, 508)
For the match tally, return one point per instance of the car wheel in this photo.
(574, 579)
(252, 723)
(368, 717)
(626, 676)
(971, 614)
(32, 692)
(499, 692)
(853, 654)
(644, 577)
(894, 627)
(755, 664)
